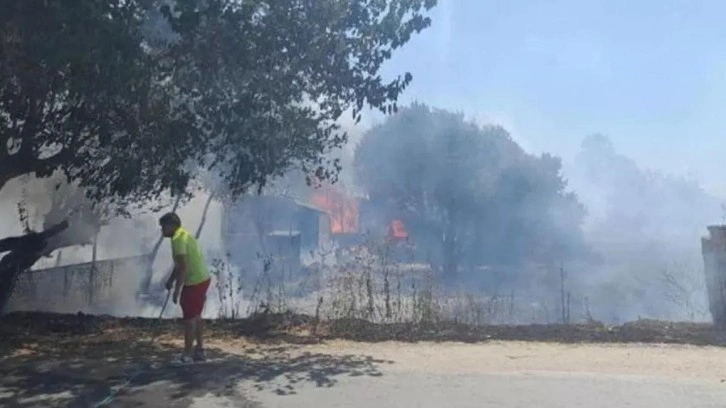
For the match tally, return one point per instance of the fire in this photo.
(343, 210)
(397, 230)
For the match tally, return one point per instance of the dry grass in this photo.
(20, 331)
(368, 295)
(367, 283)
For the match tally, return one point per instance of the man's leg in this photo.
(189, 329)
(199, 333)
(186, 302)
(199, 329)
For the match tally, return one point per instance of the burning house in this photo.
(284, 229)
(272, 227)
(343, 211)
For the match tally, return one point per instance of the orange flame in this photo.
(397, 230)
(343, 210)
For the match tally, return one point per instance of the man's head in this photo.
(169, 223)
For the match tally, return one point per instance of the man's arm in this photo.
(171, 280)
(179, 252)
(180, 272)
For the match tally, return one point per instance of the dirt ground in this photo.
(53, 360)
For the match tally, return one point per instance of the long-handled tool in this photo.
(138, 372)
(168, 294)
(161, 314)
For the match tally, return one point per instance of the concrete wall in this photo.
(713, 249)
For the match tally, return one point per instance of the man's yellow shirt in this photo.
(183, 243)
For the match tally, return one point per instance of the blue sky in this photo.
(649, 74)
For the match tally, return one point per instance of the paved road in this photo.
(352, 375)
(507, 375)
(524, 390)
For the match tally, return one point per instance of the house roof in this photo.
(310, 207)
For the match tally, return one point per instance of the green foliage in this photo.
(130, 98)
(75, 93)
(468, 193)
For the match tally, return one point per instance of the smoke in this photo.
(46, 201)
(645, 228)
(636, 253)
(640, 257)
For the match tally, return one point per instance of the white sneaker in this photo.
(182, 360)
(199, 355)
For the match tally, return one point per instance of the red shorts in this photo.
(192, 299)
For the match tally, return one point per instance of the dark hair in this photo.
(170, 219)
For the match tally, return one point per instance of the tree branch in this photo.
(35, 240)
(17, 165)
(25, 252)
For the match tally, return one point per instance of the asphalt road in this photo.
(507, 375)
(352, 375)
(521, 390)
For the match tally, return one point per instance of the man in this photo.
(190, 280)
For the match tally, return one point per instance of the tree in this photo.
(635, 205)
(121, 97)
(77, 94)
(326, 53)
(467, 193)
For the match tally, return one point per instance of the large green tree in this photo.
(128, 99)
(468, 194)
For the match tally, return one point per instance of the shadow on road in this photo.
(79, 371)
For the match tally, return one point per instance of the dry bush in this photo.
(229, 288)
(681, 286)
(369, 284)
(269, 294)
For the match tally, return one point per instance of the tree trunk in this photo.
(92, 274)
(24, 252)
(204, 216)
(451, 242)
(450, 253)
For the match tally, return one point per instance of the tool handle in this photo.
(163, 308)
